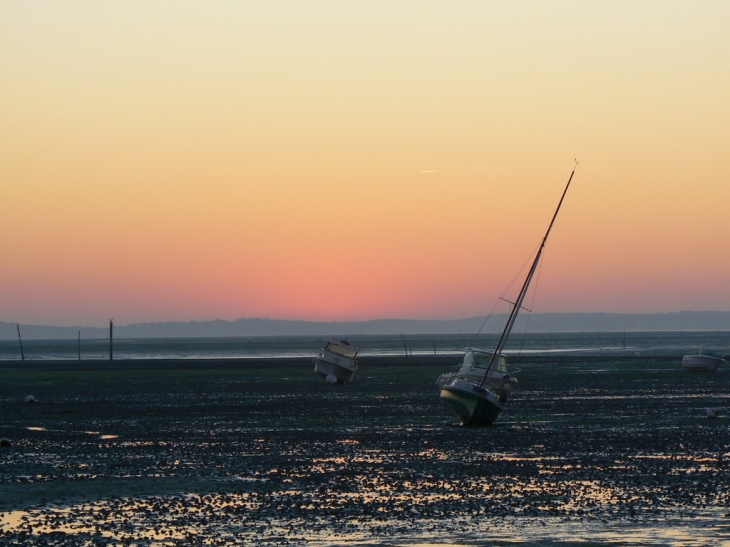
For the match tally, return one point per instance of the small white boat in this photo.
(337, 362)
(702, 361)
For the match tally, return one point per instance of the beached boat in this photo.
(480, 402)
(337, 362)
(473, 367)
(702, 361)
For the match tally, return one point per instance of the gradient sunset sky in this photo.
(330, 160)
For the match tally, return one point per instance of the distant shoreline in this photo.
(536, 323)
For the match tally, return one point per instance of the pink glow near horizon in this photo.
(359, 161)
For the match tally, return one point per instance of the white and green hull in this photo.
(473, 404)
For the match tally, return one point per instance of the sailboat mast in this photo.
(523, 292)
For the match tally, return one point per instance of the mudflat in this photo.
(598, 449)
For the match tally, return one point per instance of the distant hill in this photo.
(538, 322)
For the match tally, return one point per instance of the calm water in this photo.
(304, 346)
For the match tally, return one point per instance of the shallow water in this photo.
(384, 345)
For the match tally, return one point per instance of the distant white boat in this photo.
(702, 361)
(337, 362)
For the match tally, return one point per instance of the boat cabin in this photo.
(476, 358)
(341, 347)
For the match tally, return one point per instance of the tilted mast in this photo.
(523, 292)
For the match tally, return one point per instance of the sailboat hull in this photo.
(474, 405)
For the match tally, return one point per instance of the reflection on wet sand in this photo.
(233, 520)
(222, 462)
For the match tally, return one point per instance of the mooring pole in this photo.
(79, 345)
(111, 339)
(20, 340)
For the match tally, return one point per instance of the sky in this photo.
(326, 160)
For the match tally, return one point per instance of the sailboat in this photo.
(480, 402)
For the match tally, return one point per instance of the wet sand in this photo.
(608, 449)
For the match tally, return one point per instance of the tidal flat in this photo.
(592, 450)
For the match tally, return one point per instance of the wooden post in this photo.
(79, 346)
(20, 340)
(111, 339)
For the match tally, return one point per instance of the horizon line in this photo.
(344, 321)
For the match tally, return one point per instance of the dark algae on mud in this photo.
(176, 453)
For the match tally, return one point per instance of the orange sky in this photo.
(356, 160)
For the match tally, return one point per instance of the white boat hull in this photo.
(701, 362)
(473, 404)
(342, 373)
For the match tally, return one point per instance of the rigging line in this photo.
(496, 303)
(522, 269)
(533, 296)
(507, 288)
(487, 318)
